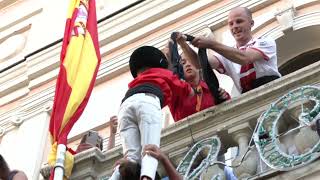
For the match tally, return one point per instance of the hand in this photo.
(113, 124)
(223, 94)
(202, 42)
(118, 162)
(181, 38)
(153, 151)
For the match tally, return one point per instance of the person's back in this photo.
(140, 113)
(169, 84)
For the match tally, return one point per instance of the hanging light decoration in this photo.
(266, 136)
(213, 145)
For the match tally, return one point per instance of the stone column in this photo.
(242, 134)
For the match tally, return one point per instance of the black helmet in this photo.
(146, 56)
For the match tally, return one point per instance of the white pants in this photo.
(140, 124)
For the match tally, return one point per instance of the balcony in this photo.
(233, 122)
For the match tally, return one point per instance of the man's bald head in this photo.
(240, 23)
(244, 9)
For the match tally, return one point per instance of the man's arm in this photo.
(113, 130)
(188, 51)
(155, 152)
(233, 54)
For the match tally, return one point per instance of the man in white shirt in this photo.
(250, 62)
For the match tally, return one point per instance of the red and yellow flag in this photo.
(80, 60)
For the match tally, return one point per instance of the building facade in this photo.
(30, 44)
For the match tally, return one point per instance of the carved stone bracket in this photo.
(16, 120)
(2, 131)
(285, 17)
(47, 107)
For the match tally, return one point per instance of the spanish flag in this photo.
(80, 60)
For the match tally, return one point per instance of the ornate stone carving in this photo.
(12, 46)
(285, 18)
(245, 166)
(47, 107)
(2, 131)
(16, 120)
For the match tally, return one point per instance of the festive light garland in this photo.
(213, 144)
(266, 136)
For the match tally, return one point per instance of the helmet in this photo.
(146, 56)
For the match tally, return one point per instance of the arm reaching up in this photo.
(113, 131)
(155, 152)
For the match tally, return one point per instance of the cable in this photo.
(189, 126)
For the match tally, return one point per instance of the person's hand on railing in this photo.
(113, 124)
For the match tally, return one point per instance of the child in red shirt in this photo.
(140, 113)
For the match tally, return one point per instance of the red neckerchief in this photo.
(199, 97)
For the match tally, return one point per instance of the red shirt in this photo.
(186, 106)
(172, 87)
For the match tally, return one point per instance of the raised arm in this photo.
(155, 152)
(113, 130)
(192, 55)
(238, 56)
(188, 51)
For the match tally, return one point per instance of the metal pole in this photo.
(59, 167)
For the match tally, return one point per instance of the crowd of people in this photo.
(250, 62)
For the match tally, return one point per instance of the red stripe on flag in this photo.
(61, 98)
(92, 27)
(70, 103)
(67, 34)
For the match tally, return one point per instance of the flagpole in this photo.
(59, 167)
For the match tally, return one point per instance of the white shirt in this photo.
(243, 75)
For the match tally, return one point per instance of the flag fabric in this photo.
(79, 64)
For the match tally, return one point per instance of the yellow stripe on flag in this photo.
(80, 58)
(80, 64)
(73, 4)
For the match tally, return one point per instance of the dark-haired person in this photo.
(131, 171)
(113, 123)
(140, 115)
(7, 174)
(202, 98)
(251, 62)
